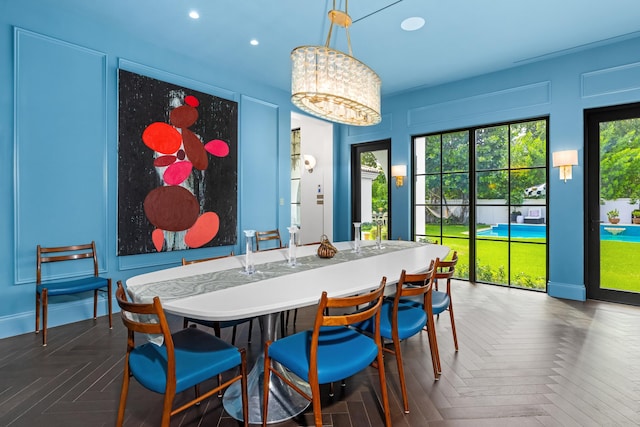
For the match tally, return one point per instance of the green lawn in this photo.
(528, 260)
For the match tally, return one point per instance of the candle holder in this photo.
(249, 267)
(379, 235)
(292, 245)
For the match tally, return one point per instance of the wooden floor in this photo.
(525, 359)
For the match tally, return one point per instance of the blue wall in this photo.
(58, 128)
(58, 133)
(561, 88)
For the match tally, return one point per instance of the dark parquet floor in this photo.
(525, 359)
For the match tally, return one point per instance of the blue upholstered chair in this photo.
(91, 282)
(401, 320)
(442, 299)
(184, 359)
(218, 326)
(331, 351)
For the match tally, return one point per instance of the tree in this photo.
(620, 160)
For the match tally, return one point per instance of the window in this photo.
(482, 192)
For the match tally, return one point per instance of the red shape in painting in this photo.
(191, 100)
(205, 229)
(158, 239)
(171, 208)
(217, 147)
(163, 161)
(183, 116)
(176, 173)
(194, 149)
(162, 138)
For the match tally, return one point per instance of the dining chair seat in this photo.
(193, 349)
(80, 279)
(401, 319)
(341, 352)
(411, 319)
(441, 301)
(184, 359)
(329, 352)
(67, 287)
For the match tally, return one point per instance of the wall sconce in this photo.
(399, 172)
(564, 160)
(309, 162)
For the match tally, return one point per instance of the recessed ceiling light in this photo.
(194, 14)
(412, 24)
(254, 42)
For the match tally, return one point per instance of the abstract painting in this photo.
(177, 167)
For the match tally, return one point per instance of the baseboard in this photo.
(58, 314)
(570, 291)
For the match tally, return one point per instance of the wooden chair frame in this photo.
(414, 285)
(373, 301)
(130, 314)
(46, 255)
(265, 236)
(445, 271)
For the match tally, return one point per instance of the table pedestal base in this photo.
(284, 402)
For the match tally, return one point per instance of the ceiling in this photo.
(461, 38)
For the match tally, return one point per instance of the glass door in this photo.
(370, 180)
(613, 203)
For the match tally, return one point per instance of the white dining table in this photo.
(220, 290)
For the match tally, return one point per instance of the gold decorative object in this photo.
(326, 249)
(332, 85)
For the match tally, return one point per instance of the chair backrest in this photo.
(145, 319)
(372, 301)
(266, 237)
(446, 269)
(65, 253)
(194, 261)
(411, 285)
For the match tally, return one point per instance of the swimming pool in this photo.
(621, 233)
(518, 231)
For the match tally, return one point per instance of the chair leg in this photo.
(243, 386)
(95, 304)
(123, 395)
(383, 389)
(316, 403)
(433, 348)
(45, 304)
(453, 325)
(282, 324)
(265, 384)
(37, 312)
(166, 409)
(403, 385)
(109, 303)
(185, 323)
(250, 331)
(233, 334)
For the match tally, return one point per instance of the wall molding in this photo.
(608, 81)
(511, 99)
(29, 48)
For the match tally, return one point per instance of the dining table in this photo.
(222, 290)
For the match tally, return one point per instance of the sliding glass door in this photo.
(482, 192)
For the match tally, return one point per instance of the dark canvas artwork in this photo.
(177, 167)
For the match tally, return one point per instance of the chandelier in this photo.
(332, 85)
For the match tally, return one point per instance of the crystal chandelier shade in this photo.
(332, 85)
